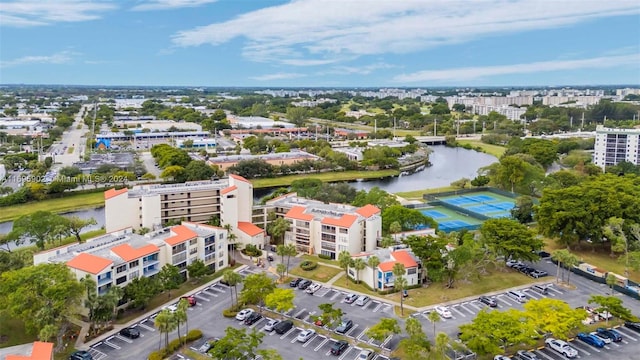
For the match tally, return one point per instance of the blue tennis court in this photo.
(479, 198)
(434, 214)
(453, 224)
(459, 201)
(504, 205)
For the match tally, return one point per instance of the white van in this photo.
(517, 296)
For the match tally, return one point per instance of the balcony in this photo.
(150, 271)
(104, 280)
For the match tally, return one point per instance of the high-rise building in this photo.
(616, 145)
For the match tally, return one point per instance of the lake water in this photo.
(97, 213)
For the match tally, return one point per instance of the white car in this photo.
(271, 324)
(305, 335)
(601, 337)
(443, 311)
(363, 299)
(171, 308)
(366, 355)
(313, 288)
(501, 357)
(243, 314)
(562, 347)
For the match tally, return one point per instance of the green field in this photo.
(494, 150)
(417, 194)
(321, 273)
(326, 177)
(61, 205)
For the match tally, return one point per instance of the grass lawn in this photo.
(326, 177)
(596, 256)
(321, 273)
(61, 205)
(494, 150)
(70, 150)
(417, 194)
(12, 332)
(436, 293)
(348, 285)
(320, 260)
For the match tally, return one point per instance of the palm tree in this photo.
(439, 350)
(231, 237)
(344, 259)
(358, 264)
(400, 282)
(290, 250)
(373, 262)
(181, 316)
(571, 261)
(434, 318)
(233, 279)
(387, 241)
(281, 250)
(558, 256)
(165, 322)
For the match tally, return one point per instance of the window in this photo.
(221, 263)
(193, 241)
(134, 274)
(134, 263)
(412, 271)
(120, 280)
(121, 268)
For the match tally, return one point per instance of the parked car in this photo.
(635, 326)
(501, 357)
(610, 333)
(344, 326)
(304, 336)
(243, 314)
(271, 324)
(204, 348)
(191, 300)
(283, 327)
(542, 289)
(488, 301)
(512, 263)
(313, 288)
(538, 273)
(338, 347)
(270, 257)
(131, 333)
(362, 300)
(561, 347)
(172, 308)
(295, 282)
(526, 355)
(366, 355)
(602, 337)
(543, 254)
(350, 298)
(304, 284)
(443, 311)
(591, 340)
(252, 318)
(80, 355)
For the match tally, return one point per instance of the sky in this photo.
(320, 43)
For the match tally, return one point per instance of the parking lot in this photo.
(207, 316)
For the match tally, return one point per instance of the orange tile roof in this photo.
(229, 189)
(113, 193)
(128, 252)
(297, 212)
(89, 263)
(40, 351)
(182, 234)
(345, 220)
(405, 258)
(249, 228)
(387, 266)
(239, 178)
(203, 225)
(368, 210)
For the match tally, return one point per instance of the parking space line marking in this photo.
(321, 344)
(120, 337)
(208, 293)
(345, 353)
(106, 342)
(287, 333)
(377, 307)
(386, 341)
(387, 307)
(362, 333)
(351, 331)
(503, 300)
(544, 355)
(199, 296)
(300, 312)
(626, 333)
(146, 327)
(310, 341)
(586, 345)
(329, 351)
(469, 311)
(550, 287)
(458, 311)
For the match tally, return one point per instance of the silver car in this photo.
(271, 324)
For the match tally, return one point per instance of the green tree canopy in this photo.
(509, 238)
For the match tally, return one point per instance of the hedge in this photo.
(175, 345)
(308, 265)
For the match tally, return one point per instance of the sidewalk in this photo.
(117, 327)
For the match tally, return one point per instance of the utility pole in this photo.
(582, 124)
(394, 128)
(435, 127)
(571, 123)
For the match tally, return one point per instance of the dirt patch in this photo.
(3, 339)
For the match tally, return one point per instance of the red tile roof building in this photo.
(383, 273)
(39, 351)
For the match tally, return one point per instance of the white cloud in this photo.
(360, 70)
(26, 13)
(277, 76)
(332, 31)
(169, 4)
(471, 73)
(62, 57)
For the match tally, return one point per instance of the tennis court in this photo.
(449, 220)
(484, 203)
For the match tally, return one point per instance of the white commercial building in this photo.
(616, 145)
(117, 258)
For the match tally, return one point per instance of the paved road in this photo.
(73, 137)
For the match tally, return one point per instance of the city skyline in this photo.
(309, 43)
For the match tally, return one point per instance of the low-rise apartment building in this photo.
(276, 159)
(613, 146)
(381, 277)
(115, 259)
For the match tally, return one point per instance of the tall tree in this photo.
(237, 344)
(180, 316)
(375, 196)
(373, 263)
(383, 329)
(297, 115)
(400, 282)
(256, 288)
(509, 238)
(75, 225)
(290, 250)
(613, 306)
(233, 279)
(417, 343)
(330, 315)
(280, 299)
(140, 291)
(554, 316)
(560, 257)
(358, 265)
(170, 278)
(277, 228)
(39, 227)
(197, 269)
(165, 323)
(344, 259)
(435, 318)
(491, 332)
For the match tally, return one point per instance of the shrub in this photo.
(194, 334)
(252, 250)
(174, 345)
(156, 355)
(229, 313)
(323, 256)
(308, 265)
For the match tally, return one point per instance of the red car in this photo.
(191, 299)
